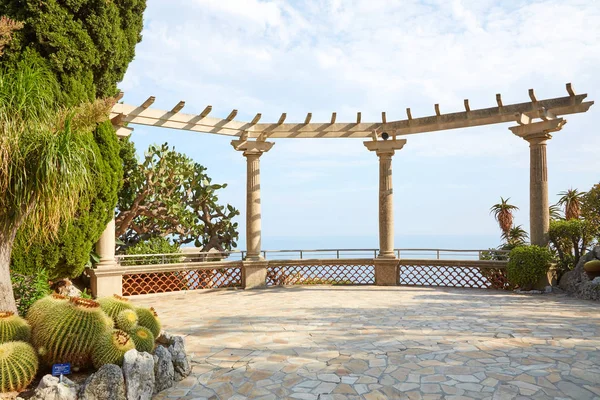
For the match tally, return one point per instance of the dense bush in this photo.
(569, 241)
(29, 288)
(155, 245)
(527, 265)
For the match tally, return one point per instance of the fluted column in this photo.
(386, 205)
(537, 134)
(253, 216)
(107, 278)
(105, 247)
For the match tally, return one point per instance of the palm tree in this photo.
(571, 200)
(45, 158)
(517, 236)
(555, 212)
(503, 212)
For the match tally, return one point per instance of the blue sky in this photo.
(371, 56)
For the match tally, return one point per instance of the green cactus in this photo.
(69, 332)
(114, 304)
(143, 339)
(148, 318)
(13, 328)
(43, 305)
(18, 366)
(127, 320)
(111, 348)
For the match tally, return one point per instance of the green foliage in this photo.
(143, 339)
(69, 331)
(155, 245)
(569, 240)
(18, 366)
(590, 210)
(148, 318)
(13, 328)
(111, 348)
(114, 305)
(67, 255)
(87, 44)
(29, 288)
(527, 265)
(170, 195)
(126, 320)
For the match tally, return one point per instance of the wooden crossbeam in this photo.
(148, 102)
(333, 117)
(467, 107)
(178, 107)
(383, 117)
(205, 112)
(231, 115)
(308, 118)
(358, 117)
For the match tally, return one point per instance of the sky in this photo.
(345, 56)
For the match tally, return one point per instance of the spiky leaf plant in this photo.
(127, 320)
(143, 339)
(114, 304)
(13, 328)
(111, 348)
(18, 366)
(43, 306)
(571, 199)
(69, 332)
(503, 212)
(148, 318)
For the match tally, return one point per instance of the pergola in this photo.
(534, 120)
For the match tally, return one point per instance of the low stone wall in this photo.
(577, 282)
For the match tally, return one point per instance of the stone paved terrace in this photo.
(383, 343)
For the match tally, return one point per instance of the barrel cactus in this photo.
(18, 366)
(148, 318)
(127, 320)
(142, 338)
(69, 332)
(43, 306)
(114, 304)
(111, 348)
(13, 328)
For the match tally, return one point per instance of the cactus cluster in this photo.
(148, 318)
(111, 348)
(127, 320)
(142, 338)
(18, 366)
(13, 328)
(114, 305)
(68, 332)
(43, 305)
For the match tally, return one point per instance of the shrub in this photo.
(155, 245)
(569, 241)
(28, 289)
(527, 265)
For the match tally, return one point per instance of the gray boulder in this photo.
(181, 362)
(138, 370)
(105, 384)
(577, 283)
(50, 388)
(164, 373)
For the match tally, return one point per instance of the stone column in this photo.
(106, 279)
(254, 267)
(386, 263)
(537, 134)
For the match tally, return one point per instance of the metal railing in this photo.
(236, 255)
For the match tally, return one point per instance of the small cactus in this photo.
(13, 328)
(127, 320)
(114, 304)
(143, 339)
(43, 306)
(69, 332)
(111, 348)
(148, 318)
(18, 366)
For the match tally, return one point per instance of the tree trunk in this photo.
(7, 297)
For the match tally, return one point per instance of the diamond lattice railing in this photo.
(435, 273)
(160, 282)
(329, 273)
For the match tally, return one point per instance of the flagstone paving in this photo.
(383, 343)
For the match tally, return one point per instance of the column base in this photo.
(386, 271)
(254, 274)
(106, 282)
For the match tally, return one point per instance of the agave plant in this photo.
(571, 200)
(503, 212)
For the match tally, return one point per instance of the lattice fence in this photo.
(435, 273)
(335, 272)
(160, 282)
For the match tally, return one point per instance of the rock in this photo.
(577, 282)
(596, 280)
(596, 252)
(66, 288)
(164, 373)
(50, 388)
(181, 362)
(138, 371)
(105, 384)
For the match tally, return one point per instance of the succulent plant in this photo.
(18, 366)
(143, 339)
(13, 328)
(127, 320)
(148, 318)
(69, 332)
(111, 348)
(114, 304)
(43, 306)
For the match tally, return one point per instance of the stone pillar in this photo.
(386, 263)
(106, 279)
(537, 134)
(254, 268)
